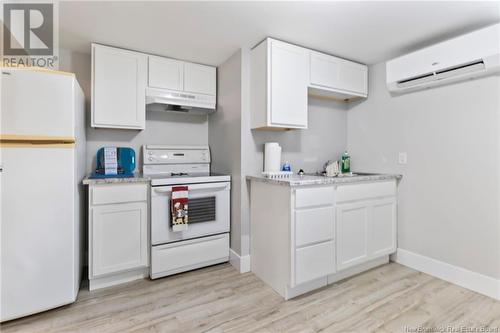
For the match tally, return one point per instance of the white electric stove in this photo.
(206, 239)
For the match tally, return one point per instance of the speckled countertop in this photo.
(304, 180)
(138, 178)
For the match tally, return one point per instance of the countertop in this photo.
(138, 178)
(304, 180)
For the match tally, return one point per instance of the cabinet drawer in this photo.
(365, 191)
(315, 261)
(182, 256)
(118, 193)
(313, 225)
(314, 196)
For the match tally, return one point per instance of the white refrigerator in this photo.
(42, 158)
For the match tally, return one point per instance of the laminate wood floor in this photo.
(390, 298)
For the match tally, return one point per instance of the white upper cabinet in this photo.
(279, 79)
(118, 88)
(339, 75)
(200, 79)
(166, 73)
(289, 68)
(120, 78)
(171, 74)
(283, 75)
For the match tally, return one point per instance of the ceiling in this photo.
(210, 32)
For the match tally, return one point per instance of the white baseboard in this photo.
(482, 284)
(241, 263)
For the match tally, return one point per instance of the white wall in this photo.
(325, 139)
(449, 194)
(225, 137)
(161, 128)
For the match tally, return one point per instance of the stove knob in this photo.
(150, 158)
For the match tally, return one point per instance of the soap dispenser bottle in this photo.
(346, 162)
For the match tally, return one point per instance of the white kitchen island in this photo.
(310, 231)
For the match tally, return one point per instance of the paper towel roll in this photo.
(272, 157)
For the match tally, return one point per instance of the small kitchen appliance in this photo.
(204, 240)
(114, 162)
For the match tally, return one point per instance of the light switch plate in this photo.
(402, 158)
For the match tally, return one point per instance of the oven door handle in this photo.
(168, 189)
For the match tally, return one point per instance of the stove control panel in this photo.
(156, 154)
(167, 160)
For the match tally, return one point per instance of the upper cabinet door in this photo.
(118, 88)
(324, 70)
(200, 79)
(354, 77)
(338, 74)
(166, 73)
(289, 74)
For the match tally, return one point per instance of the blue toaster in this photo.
(125, 163)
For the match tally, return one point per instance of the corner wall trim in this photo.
(241, 263)
(482, 284)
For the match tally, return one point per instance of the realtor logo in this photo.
(30, 34)
(28, 29)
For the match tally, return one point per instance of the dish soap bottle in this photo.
(346, 163)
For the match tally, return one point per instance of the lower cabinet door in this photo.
(352, 234)
(382, 239)
(314, 261)
(118, 238)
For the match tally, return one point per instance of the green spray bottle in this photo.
(346, 162)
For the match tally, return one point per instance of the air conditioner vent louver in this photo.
(470, 67)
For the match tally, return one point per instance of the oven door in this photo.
(208, 212)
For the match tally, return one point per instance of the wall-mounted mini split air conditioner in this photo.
(474, 55)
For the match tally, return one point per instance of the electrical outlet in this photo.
(402, 158)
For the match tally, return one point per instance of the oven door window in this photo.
(202, 210)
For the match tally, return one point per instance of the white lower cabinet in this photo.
(383, 227)
(118, 234)
(352, 234)
(314, 261)
(314, 235)
(365, 230)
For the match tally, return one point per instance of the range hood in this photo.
(176, 101)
